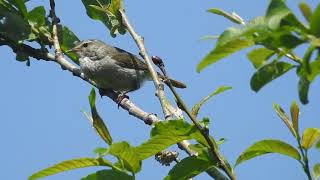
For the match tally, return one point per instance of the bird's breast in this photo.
(109, 75)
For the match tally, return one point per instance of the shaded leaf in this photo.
(267, 73)
(294, 111)
(108, 175)
(128, 154)
(192, 166)
(69, 165)
(316, 171)
(259, 56)
(96, 120)
(216, 174)
(231, 17)
(318, 145)
(67, 41)
(13, 26)
(303, 89)
(305, 10)
(309, 137)
(188, 168)
(314, 22)
(196, 107)
(283, 116)
(268, 146)
(19, 4)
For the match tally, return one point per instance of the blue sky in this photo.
(41, 122)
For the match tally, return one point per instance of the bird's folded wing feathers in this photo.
(128, 60)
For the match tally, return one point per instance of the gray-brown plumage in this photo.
(113, 68)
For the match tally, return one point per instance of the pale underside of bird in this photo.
(113, 68)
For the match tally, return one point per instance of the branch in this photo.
(158, 85)
(162, 98)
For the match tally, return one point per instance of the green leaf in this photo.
(276, 11)
(268, 146)
(96, 120)
(108, 175)
(67, 41)
(208, 37)
(235, 39)
(309, 137)
(259, 56)
(316, 171)
(314, 22)
(40, 25)
(165, 134)
(216, 174)
(192, 166)
(128, 154)
(106, 11)
(303, 88)
(100, 151)
(283, 116)
(267, 73)
(196, 107)
(305, 10)
(318, 145)
(220, 52)
(19, 4)
(69, 165)
(37, 16)
(188, 168)
(13, 26)
(232, 17)
(294, 111)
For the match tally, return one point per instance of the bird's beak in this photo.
(75, 49)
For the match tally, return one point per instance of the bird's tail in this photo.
(174, 83)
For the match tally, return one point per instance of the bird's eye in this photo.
(85, 45)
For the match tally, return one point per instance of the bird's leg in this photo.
(122, 95)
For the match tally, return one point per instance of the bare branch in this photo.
(158, 85)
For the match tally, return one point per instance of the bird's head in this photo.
(88, 48)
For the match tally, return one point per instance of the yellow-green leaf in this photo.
(309, 137)
(316, 171)
(96, 120)
(69, 165)
(259, 56)
(305, 10)
(232, 17)
(222, 51)
(268, 146)
(294, 111)
(283, 116)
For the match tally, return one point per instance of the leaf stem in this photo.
(305, 160)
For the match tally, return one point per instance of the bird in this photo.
(112, 68)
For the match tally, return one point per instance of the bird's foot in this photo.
(121, 96)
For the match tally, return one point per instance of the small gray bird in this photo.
(113, 68)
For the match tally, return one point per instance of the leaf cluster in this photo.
(274, 37)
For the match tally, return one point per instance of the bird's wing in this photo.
(128, 60)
